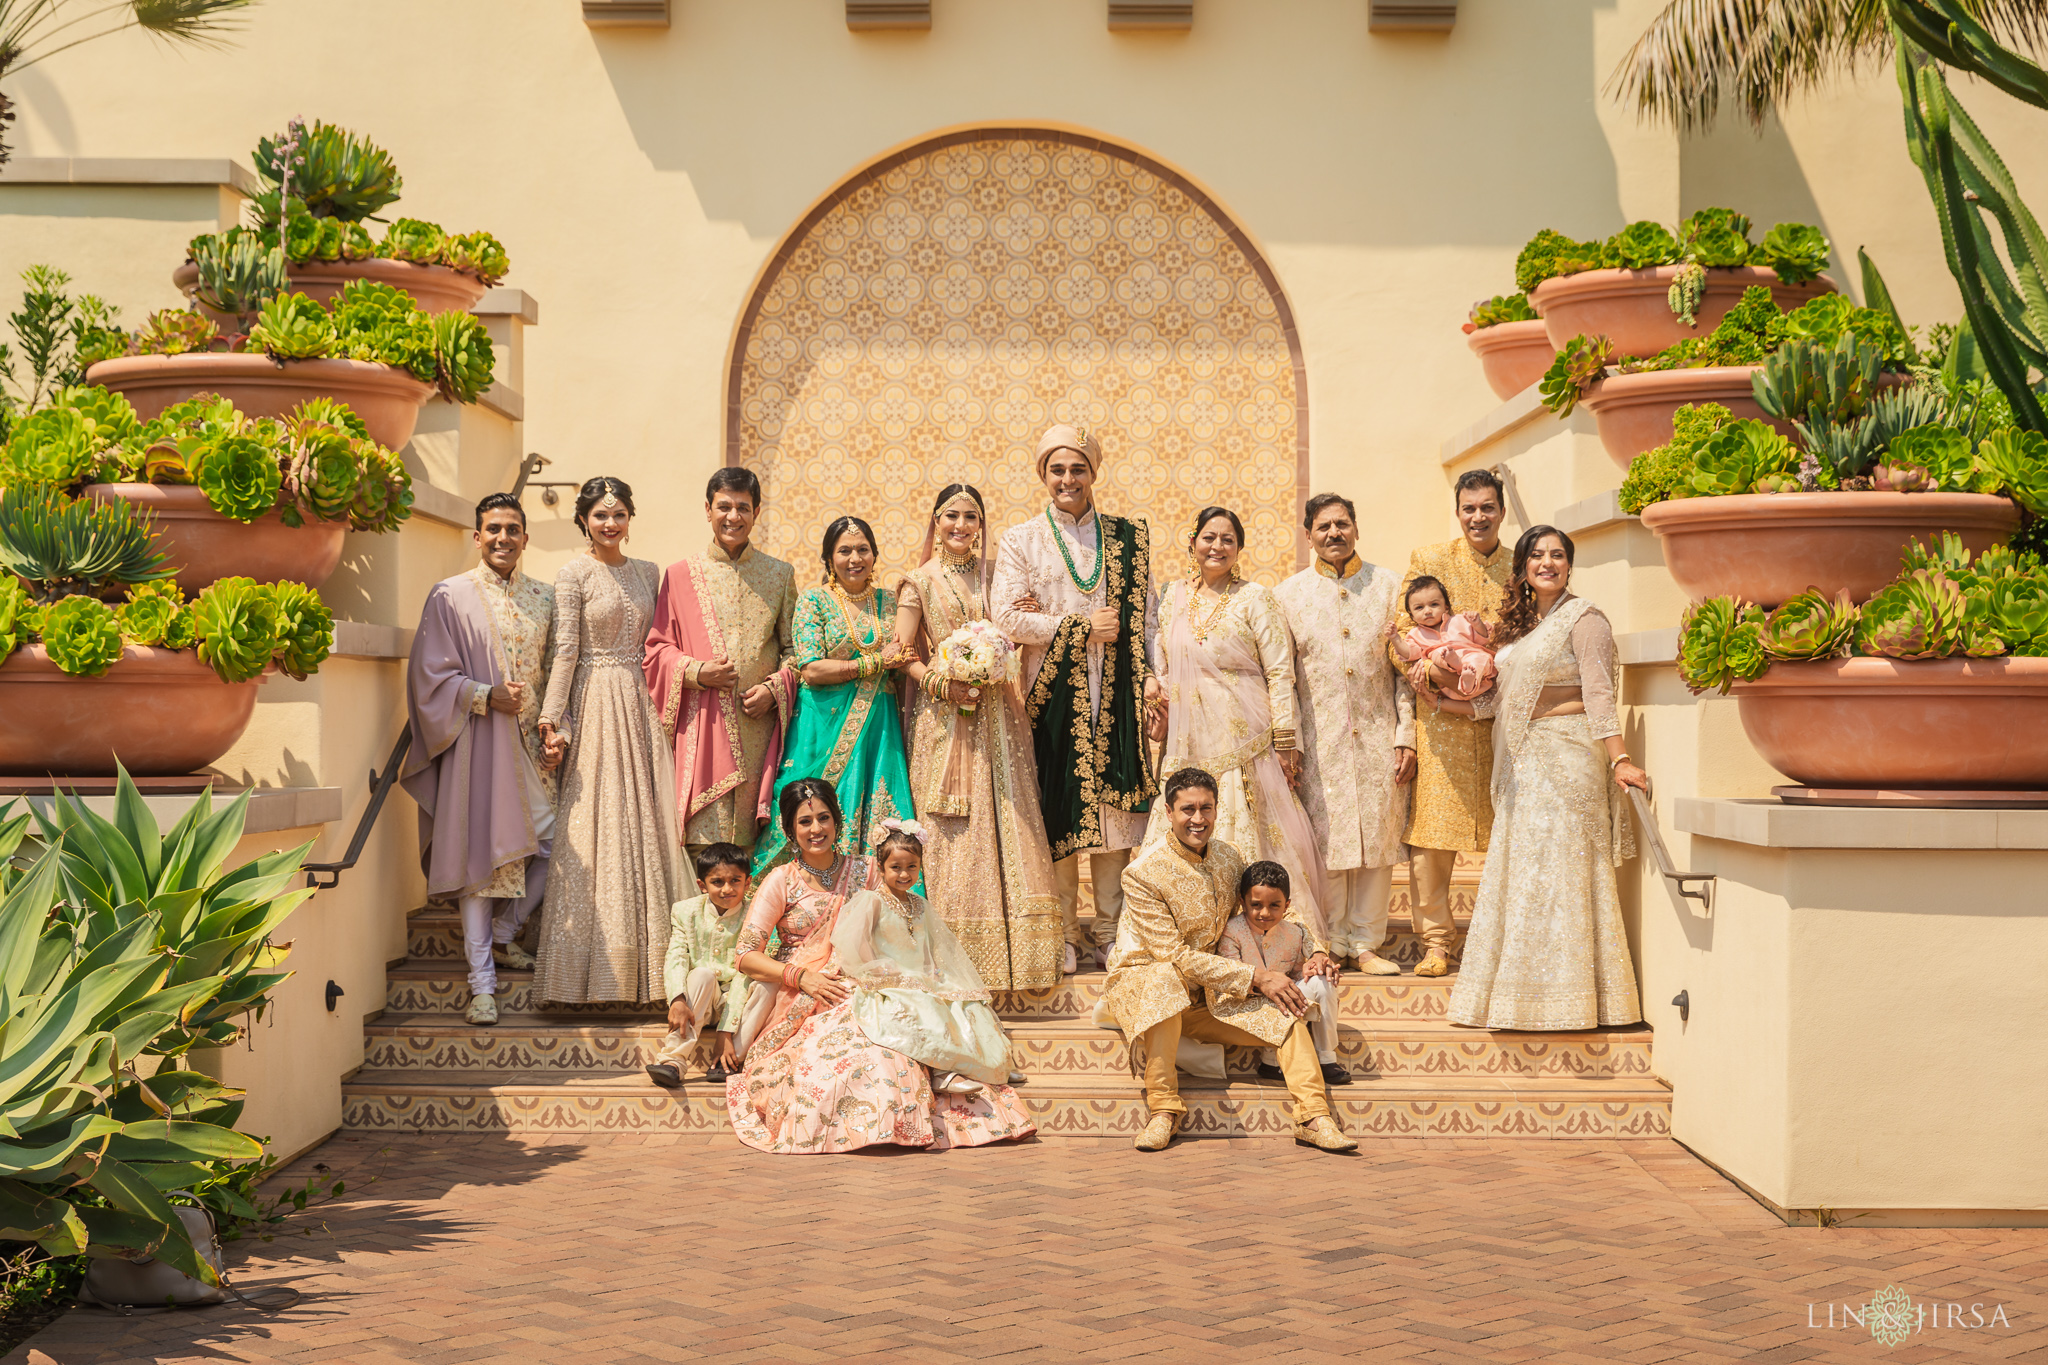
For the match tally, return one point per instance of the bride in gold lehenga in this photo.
(1547, 949)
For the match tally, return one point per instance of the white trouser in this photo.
(701, 990)
(487, 921)
(1322, 1019)
(1358, 909)
(1107, 871)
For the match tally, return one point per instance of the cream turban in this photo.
(1077, 439)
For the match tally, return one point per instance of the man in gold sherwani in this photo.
(716, 665)
(1357, 727)
(1454, 754)
(1179, 894)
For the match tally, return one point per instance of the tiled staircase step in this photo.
(1076, 1050)
(611, 1102)
(1360, 998)
(429, 987)
(442, 1042)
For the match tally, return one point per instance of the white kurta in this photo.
(1355, 711)
(1028, 560)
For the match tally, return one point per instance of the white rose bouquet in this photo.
(976, 654)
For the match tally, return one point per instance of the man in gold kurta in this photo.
(1179, 895)
(1453, 754)
(723, 630)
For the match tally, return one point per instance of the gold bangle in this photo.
(1617, 760)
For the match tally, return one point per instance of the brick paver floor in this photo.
(675, 1249)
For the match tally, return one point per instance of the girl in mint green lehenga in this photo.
(848, 727)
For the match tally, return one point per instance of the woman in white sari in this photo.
(1226, 659)
(1547, 949)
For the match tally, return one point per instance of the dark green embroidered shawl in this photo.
(1086, 760)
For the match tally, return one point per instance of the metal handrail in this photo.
(1662, 855)
(380, 787)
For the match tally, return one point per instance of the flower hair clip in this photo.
(908, 827)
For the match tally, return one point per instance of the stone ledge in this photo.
(270, 808)
(1523, 408)
(506, 302)
(131, 170)
(1596, 513)
(1648, 646)
(1772, 824)
(431, 502)
(504, 401)
(361, 640)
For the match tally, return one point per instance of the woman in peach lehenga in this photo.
(813, 1081)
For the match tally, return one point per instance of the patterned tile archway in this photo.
(942, 307)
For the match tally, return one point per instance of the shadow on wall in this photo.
(1308, 127)
(1757, 171)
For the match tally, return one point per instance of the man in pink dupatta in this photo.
(718, 667)
(473, 685)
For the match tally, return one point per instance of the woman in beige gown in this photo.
(988, 869)
(612, 876)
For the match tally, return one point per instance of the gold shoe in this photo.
(1434, 963)
(1324, 1134)
(512, 956)
(1158, 1134)
(1372, 964)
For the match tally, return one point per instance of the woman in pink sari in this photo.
(813, 1081)
(1226, 659)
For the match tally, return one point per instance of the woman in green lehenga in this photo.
(848, 727)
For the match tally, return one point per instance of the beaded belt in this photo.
(616, 657)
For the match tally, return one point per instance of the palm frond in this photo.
(189, 21)
(1754, 55)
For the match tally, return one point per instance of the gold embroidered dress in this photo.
(605, 931)
(1228, 670)
(975, 781)
(1547, 949)
(1454, 754)
(1355, 709)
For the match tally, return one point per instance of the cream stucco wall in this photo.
(641, 178)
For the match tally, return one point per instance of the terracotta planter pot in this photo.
(387, 399)
(436, 288)
(161, 712)
(1632, 308)
(205, 546)
(1515, 355)
(1929, 724)
(1634, 410)
(1768, 547)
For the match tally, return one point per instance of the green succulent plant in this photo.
(1828, 317)
(240, 476)
(294, 327)
(1501, 308)
(482, 255)
(57, 447)
(1720, 643)
(463, 356)
(1578, 365)
(150, 612)
(1916, 616)
(1739, 456)
(384, 492)
(175, 331)
(1641, 246)
(1796, 251)
(363, 303)
(335, 173)
(305, 628)
(330, 412)
(1942, 451)
(2016, 609)
(238, 272)
(60, 545)
(1549, 254)
(415, 240)
(1810, 626)
(2015, 462)
(1688, 287)
(324, 472)
(109, 415)
(82, 635)
(14, 608)
(1664, 473)
(1751, 330)
(1901, 478)
(1700, 222)
(236, 623)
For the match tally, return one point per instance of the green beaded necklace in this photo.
(1084, 584)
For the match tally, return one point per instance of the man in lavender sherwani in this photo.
(484, 782)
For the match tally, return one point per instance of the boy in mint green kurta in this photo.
(703, 986)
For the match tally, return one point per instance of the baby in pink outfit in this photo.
(1457, 643)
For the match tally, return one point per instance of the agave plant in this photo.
(1739, 456)
(331, 171)
(1916, 616)
(236, 623)
(1810, 626)
(294, 327)
(1579, 364)
(1720, 643)
(305, 628)
(61, 545)
(238, 273)
(82, 635)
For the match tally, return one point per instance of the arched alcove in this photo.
(946, 303)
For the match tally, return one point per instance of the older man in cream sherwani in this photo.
(1073, 587)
